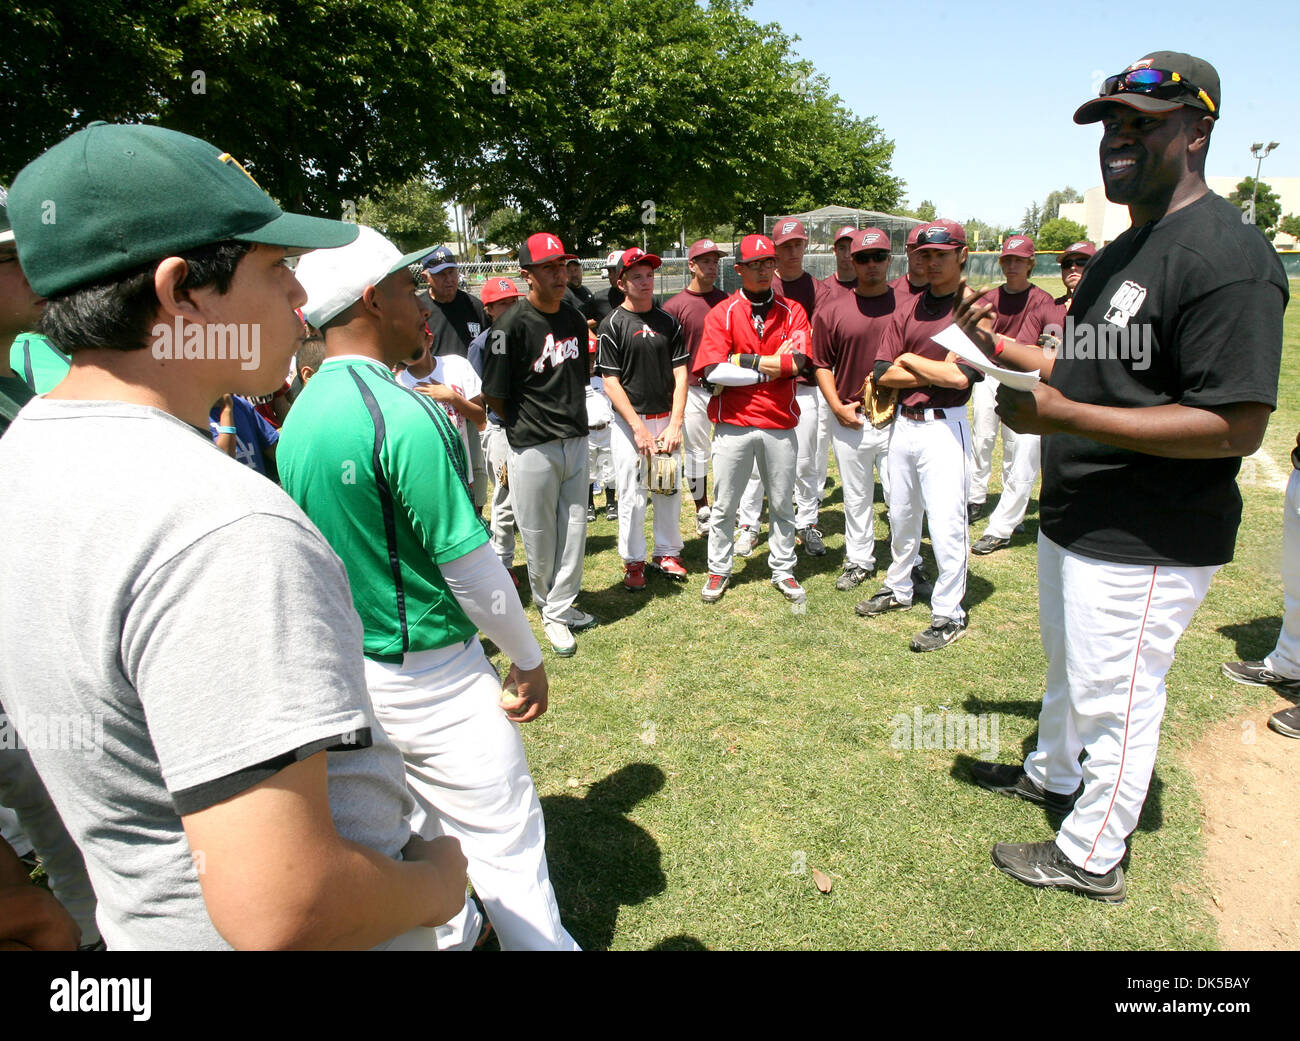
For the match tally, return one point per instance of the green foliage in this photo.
(1052, 204)
(1268, 207)
(926, 211)
(1290, 225)
(985, 236)
(1032, 220)
(1058, 233)
(412, 214)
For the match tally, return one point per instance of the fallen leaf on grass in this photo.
(823, 880)
(573, 782)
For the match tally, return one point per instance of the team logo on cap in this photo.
(789, 226)
(551, 243)
(1141, 63)
(1015, 243)
(505, 285)
(869, 239)
(1077, 246)
(708, 244)
(230, 160)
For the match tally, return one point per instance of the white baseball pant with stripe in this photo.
(1109, 632)
(1285, 659)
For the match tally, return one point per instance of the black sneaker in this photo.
(987, 544)
(591, 513)
(1043, 864)
(1286, 722)
(611, 511)
(1010, 779)
(942, 632)
(812, 541)
(921, 585)
(883, 601)
(851, 577)
(974, 511)
(1254, 674)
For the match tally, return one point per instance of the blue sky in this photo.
(978, 98)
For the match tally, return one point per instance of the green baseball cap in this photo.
(113, 197)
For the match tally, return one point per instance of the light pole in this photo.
(1259, 151)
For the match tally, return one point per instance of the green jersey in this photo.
(382, 473)
(41, 365)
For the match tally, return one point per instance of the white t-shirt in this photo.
(458, 374)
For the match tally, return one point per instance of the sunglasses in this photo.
(1080, 262)
(760, 265)
(1157, 82)
(871, 257)
(937, 237)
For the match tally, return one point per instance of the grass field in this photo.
(699, 762)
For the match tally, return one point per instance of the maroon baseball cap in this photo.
(1018, 246)
(1080, 249)
(631, 257)
(702, 246)
(787, 229)
(846, 232)
(911, 235)
(1159, 82)
(756, 247)
(868, 240)
(541, 249)
(941, 234)
(495, 289)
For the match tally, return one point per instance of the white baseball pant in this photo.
(826, 422)
(548, 488)
(466, 769)
(736, 451)
(697, 441)
(1021, 460)
(806, 486)
(929, 473)
(1285, 659)
(1109, 632)
(600, 460)
(501, 521)
(857, 453)
(634, 498)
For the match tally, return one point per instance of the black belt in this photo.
(919, 414)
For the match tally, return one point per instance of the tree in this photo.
(1056, 235)
(413, 214)
(926, 211)
(1033, 220)
(1268, 207)
(1290, 225)
(1052, 204)
(985, 236)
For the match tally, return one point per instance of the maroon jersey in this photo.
(831, 286)
(1022, 316)
(690, 309)
(902, 285)
(915, 322)
(804, 290)
(848, 336)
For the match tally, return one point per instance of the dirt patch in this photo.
(1249, 780)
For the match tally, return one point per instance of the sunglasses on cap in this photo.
(1157, 82)
(874, 256)
(937, 237)
(1074, 262)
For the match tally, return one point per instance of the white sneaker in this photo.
(702, 518)
(745, 541)
(562, 641)
(579, 621)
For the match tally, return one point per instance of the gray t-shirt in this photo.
(174, 630)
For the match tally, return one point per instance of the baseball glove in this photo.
(502, 477)
(878, 402)
(662, 473)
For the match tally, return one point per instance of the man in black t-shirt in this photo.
(607, 298)
(1165, 378)
(535, 379)
(575, 292)
(642, 355)
(455, 317)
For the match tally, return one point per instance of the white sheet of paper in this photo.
(953, 339)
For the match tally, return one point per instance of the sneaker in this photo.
(1010, 779)
(812, 541)
(921, 585)
(670, 566)
(714, 587)
(591, 513)
(791, 589)
(1254, 674)
(974, 511)
(883, 601)
(1019, 529)
(987, 544)
(611, 511)
(942, 632)
(1286, 722)
(703, 516)
(562, 641)
(580, 621)
(745, 541)
(513, 577)
(853, 576)
(634, 575)
(1043, 864)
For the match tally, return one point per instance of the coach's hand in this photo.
(1031, 412)
(445, 855)
(973, 318)
(531, 689)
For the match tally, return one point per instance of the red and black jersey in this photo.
(641, 349)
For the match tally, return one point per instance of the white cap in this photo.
(611, 261)
(335, 279)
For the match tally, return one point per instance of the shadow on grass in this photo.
(1255, 639)
(599, 860)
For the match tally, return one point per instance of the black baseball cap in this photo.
(1187, 82)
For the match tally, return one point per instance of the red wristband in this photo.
(787, 365)
(999, 345)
